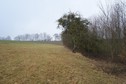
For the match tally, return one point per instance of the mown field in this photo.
(38, 63)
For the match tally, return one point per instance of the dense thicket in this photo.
(104, 35)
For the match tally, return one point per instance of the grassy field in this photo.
(38, 63)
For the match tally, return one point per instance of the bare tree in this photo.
(110, 26)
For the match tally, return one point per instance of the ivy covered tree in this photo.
(75, 29)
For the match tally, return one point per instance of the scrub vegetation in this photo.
(103, 36)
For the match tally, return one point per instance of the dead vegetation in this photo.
(33, 63)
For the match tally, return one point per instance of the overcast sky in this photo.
(38, 16)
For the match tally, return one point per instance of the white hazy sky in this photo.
(38, 16)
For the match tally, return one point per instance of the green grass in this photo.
(36, 63)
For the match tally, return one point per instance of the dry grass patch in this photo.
(30, 63)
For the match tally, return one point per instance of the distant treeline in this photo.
(37, 37)
(102, 36)
(34, 37)
(5, 38)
